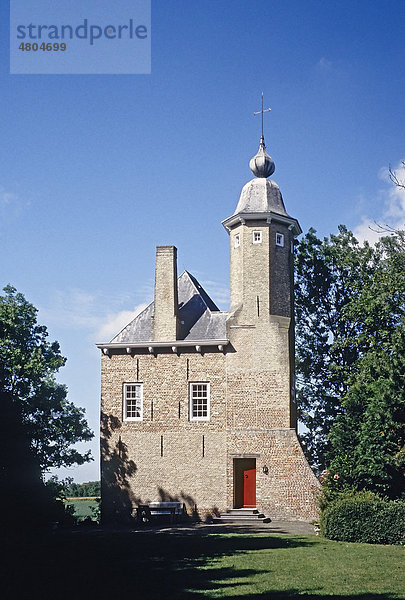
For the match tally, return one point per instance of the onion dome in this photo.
(262, 165)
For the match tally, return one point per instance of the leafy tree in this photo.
(351, 358)
(367, 440)
(23, 497)
(80, 490)
(329, 274)
(28, 363)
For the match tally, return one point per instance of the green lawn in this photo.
(83, 506)
(155, 565)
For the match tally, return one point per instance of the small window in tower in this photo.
(132, 401)
(199, 401)
(257, 237)
(280, 239)
(236, 241)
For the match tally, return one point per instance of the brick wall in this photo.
(165, 318)
(169, 456)
(166, 447)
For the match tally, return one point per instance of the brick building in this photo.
(197, 404)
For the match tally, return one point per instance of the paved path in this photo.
(259, 528)
(274, 527)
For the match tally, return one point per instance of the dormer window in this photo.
(280, 240)
(257, 237)
(236, 241)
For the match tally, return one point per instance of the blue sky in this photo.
(96, 170)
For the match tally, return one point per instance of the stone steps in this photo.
(242, 515)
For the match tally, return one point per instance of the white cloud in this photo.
(11, 205)
(99, 317)
(93, 313)
(367, 230)
(113, 323)
(6, 198)
(393, 212)
(72, 309)
(324, 64)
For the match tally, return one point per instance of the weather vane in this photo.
(261, 112)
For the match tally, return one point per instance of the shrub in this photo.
(96, 510)
(364, 518)
(331, 493)
(62, 514)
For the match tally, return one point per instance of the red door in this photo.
(249, 488)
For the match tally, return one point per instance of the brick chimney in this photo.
(165, 320)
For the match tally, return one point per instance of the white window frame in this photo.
(192, 397)
(280, 239)
(125, 398)
(259, 237)
(236, 240)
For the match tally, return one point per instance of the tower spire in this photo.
(261, 112)
(262, 165)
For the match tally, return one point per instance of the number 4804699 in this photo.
(49, 47)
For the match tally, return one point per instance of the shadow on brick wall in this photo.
(117, 499)
(189, 501)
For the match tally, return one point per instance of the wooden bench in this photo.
(151, 510)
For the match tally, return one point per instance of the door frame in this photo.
(240, 464)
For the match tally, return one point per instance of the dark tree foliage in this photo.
(350, 310)
(367, 440)
(28, 363)
(23, 497)
(81, 490)
(329, 274)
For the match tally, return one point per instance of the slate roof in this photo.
(200, 319)
(261, 196)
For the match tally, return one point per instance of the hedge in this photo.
(364, 519)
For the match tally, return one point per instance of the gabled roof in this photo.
(199, 317)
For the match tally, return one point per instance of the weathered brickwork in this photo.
(289, 489)
(165, 321)
(168, 455)
(281, 271)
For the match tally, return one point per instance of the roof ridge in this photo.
(201, 291)
(195, 289)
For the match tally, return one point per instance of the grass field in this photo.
(192, 566)
(83, 506)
